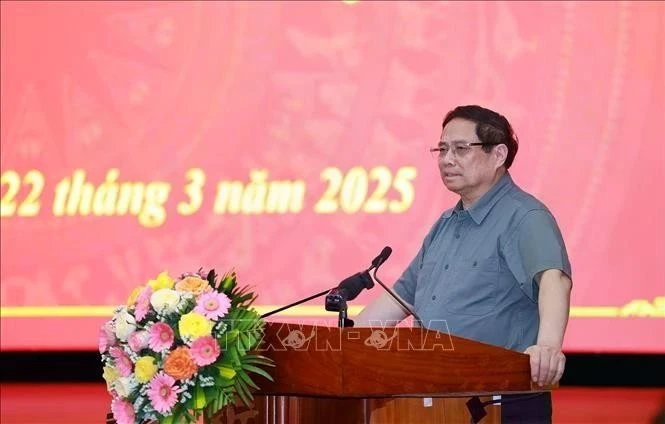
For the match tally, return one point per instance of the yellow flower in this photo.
(163, 281)
(194, 325)
(145, 369)
(131, 301)
(110, 375)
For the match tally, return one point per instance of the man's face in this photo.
(465, 170)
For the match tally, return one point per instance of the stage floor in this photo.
(88, 403)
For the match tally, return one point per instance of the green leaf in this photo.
(252, 340)
(189, 404)
(230, 336)
(176, 412)
(243, 392)
(224, 397)
(210, 393)
(228, 282)
(188, 416)
(231, 356)
(258, 371)
(244, 339)
(211, 277)
(221, 382)
(226, 372)
(240, 348)
(242, 296)
(199, 397)
(243, 375)
(258, 360)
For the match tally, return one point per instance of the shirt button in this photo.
(475, 263)
(445, 267)
(433, 297)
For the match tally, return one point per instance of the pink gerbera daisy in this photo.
(205, 350)
(123, 411)
(161, 337)
(121, 361)
(213, 305)
(143, 304)
(162, 393)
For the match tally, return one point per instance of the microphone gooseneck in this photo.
(392, 294)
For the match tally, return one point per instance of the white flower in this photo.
(125, 324)
(124, 386)
(165, 300)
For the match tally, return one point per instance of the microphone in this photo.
(379, 260)
(351, 287)
(348, 289)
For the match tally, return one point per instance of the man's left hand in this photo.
(547, 364)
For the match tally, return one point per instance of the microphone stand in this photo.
(337, 303)
(394, 296)
(342, 320)
(296, 303)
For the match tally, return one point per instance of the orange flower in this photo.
(194, 285)
(180, 364)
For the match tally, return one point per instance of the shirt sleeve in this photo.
(405, 286)
(536, 246)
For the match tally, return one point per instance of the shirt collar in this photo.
(482, 207)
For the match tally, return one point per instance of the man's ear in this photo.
(501, 154)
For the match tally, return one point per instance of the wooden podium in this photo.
(377, 375)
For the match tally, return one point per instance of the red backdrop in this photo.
(328, 108)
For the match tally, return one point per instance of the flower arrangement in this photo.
(180, 349)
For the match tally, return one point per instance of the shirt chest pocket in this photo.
(472, 287)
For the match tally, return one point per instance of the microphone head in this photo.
(385, 253)
(383, 256)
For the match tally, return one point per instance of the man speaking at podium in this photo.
(495, 266)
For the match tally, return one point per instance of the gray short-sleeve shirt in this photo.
(475, 272)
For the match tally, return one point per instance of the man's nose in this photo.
(448, 157)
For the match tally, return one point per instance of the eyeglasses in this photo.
(459, 149)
